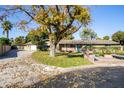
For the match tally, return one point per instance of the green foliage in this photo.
(12, 41)
(19, 40)
(90, 47)
(61, 61)
(98, 38)
(6, 25)
(38, 37)
(118, 36)
(58, 20)
(23, 25)
(69, 37)
(120, 53)
(98, 53)
(4, 41)
(42, 45)
(75, 55)
(106, 38)
(101, 51)
(88, 34)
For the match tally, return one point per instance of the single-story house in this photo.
(76, 45)
(28, 46)
(31, 47)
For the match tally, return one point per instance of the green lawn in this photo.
(61, 60)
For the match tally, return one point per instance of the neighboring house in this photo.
(28, 46)
(76, 45)
(31, 47)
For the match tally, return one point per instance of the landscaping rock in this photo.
(24, 72)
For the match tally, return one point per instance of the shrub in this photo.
(42, 47)
(4, 41)
(120, 53)
(75, 55)
(107, 50)
(99, 53)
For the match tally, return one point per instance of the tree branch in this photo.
(26, 12)
(71, 22)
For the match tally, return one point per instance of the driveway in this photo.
(15, 54)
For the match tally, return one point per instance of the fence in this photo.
(4, 49)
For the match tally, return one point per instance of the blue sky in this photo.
(105, 21)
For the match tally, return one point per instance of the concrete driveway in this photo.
(15, 54)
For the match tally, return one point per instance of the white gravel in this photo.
(21, 71)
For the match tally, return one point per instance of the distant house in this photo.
(28, 46)
(76, 45)
(31, 47)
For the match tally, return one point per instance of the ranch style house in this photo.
(76, 45)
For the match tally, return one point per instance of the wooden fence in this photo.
(4, 49)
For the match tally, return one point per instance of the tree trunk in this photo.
(7, 34)
(52, 49)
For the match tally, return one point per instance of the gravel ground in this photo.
(26, 73)
(98, 77)
(22, 72)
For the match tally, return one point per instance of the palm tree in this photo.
(7, 26)
(88, 34)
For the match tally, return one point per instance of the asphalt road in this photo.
(15, 54)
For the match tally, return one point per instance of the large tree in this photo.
(117, 36)
(7, 26)
(59, 21)
(19, 40)
(35, 36)
(88, 34)
(106, 38)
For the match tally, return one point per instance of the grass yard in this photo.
(62, 60)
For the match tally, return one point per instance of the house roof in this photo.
(88, 42)
(29, 43)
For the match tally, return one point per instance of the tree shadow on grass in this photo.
(99, 77)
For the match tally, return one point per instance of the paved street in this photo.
(15, 54)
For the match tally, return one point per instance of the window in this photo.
(71, 45)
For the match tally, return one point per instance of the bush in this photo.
(42, 47)
(99, 54)
(4, 41)
(75, 55)
(120, 53)
(107, 50)
(62, 53)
